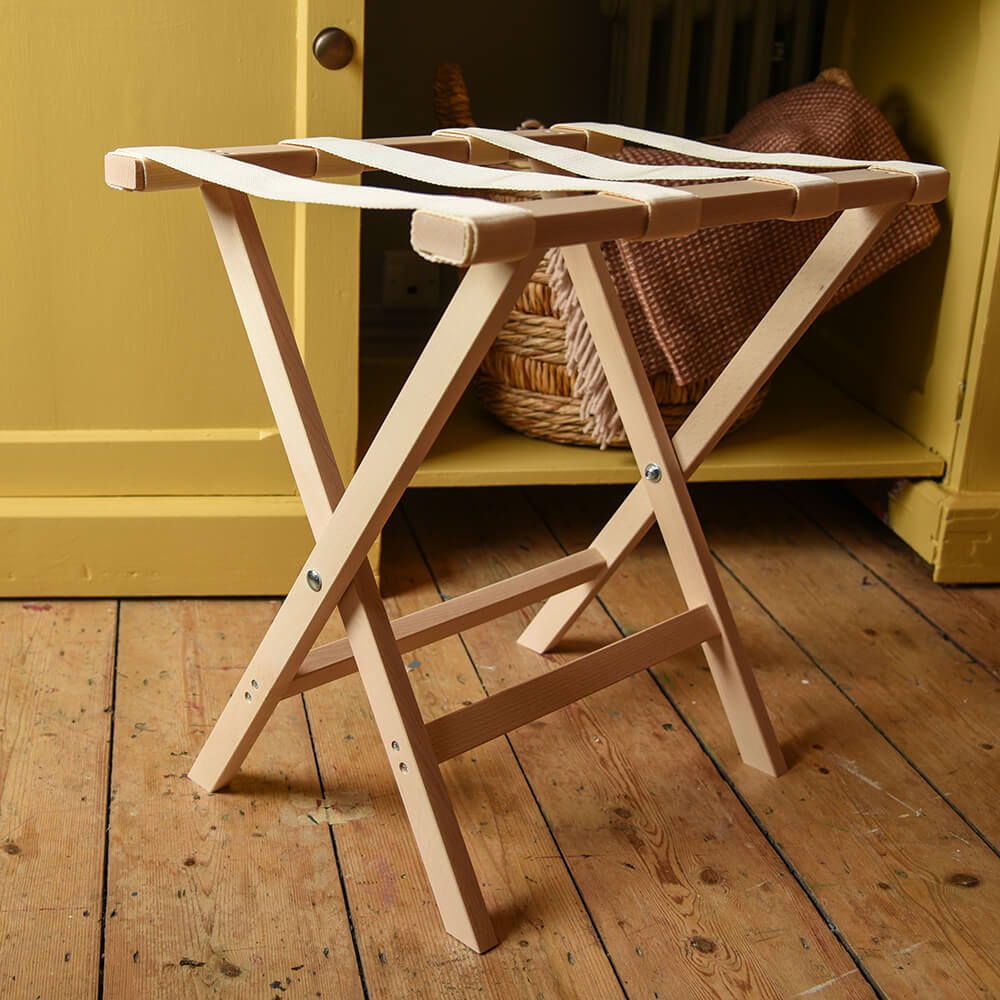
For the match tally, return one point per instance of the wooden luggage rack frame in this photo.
(501, 254)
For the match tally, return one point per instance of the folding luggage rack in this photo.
(593, 198)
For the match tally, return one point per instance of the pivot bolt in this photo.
(652, 473)
(314, 580)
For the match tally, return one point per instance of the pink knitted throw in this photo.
(692, 302)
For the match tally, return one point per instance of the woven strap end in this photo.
(124, 173)
(461, 241)
(816, 196)
(672, 212)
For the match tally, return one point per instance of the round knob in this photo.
(333, 48)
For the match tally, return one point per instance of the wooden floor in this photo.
(623, 848)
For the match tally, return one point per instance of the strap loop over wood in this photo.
(930, 182)
(481, 151)
(816, 196)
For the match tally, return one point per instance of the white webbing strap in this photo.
(508, 229)
(930, 183)
(483, 229)
(671, 212)
(816, 196)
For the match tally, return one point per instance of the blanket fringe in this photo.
(590, 385)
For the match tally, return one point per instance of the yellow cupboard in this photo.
(922, 347)
(137, 450)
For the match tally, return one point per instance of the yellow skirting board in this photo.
(131, 546)
(134, 546)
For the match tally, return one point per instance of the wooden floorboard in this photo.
(211, 894)
(548, 946)
(929, 697)
(623, 848)
(910, 887)
(681, 884)
(56, 677)
(968, 615)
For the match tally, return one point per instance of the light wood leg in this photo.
(671, 503)
(439, 377)
(291, 635)
(415, 768)
(614, 542)
(313, 466)
(799, 304)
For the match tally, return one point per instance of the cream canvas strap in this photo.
(816, 195)
(671, 212)
(930, 182)
(493, 222)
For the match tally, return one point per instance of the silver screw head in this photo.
(314, 580)
(652, 472)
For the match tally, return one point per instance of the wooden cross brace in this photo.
(345, 523)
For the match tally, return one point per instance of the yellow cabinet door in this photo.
(137, 450)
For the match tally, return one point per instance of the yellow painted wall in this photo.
(922, 345)
(903, 343)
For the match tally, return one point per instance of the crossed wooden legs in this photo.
(346, 522)
(805, 297)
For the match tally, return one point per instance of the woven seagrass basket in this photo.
(524, 381)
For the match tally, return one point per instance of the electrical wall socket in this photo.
(409, 281)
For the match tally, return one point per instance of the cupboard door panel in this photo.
(125, 370)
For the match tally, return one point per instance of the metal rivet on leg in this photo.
(652, 472)
(403, 768)
(395, 745)
(314, 580)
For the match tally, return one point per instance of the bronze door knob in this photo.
(333, 48)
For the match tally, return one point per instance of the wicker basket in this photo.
(523, 380)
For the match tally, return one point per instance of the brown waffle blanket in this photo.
(692, 302)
